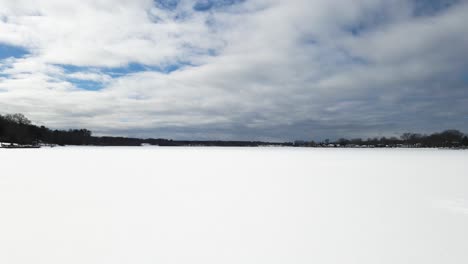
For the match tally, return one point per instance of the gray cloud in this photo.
(255, 69)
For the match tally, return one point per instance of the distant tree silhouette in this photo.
(16, 128)
(343, 142)
(17, 119)
(465, 141)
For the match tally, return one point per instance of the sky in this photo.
(237, 69)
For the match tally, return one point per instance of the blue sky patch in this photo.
(114, 73)
(73, 68)
(125, 70)
(205, 5)
(122, 71)
(167, 4)
(87, 85)
(368, 22)
(431, 7)
(9, 51)
(138, 67)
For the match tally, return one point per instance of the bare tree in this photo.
(18, 119)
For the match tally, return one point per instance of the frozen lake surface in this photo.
(147, 205)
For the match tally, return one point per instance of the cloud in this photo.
(254, 69)
(458, 206)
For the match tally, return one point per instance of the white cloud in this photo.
(459, 206)
(257, 66)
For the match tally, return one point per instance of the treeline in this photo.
(17, 129)
(213, 143)
(445, 139)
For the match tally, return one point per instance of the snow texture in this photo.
(89, 205)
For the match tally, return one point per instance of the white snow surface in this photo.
(116, 205)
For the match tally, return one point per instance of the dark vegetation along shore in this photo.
(16, 131)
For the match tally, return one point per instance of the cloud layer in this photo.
(232, 69)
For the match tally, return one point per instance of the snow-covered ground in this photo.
(89, 205)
